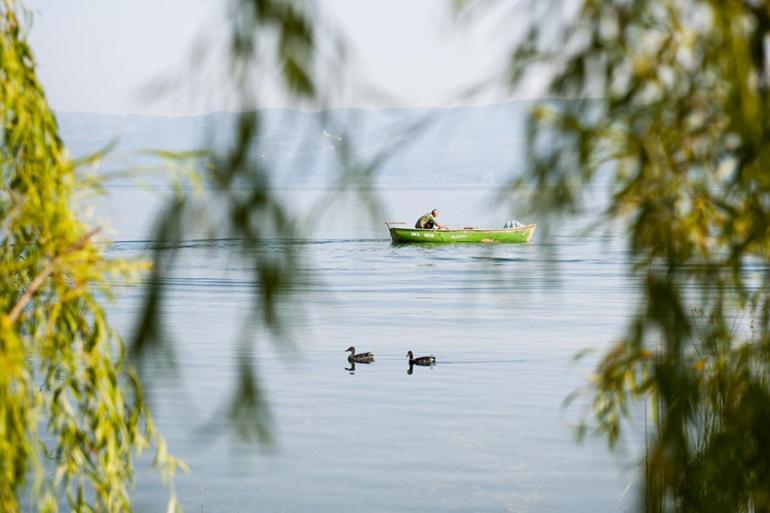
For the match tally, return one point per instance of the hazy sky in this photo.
(107, 56)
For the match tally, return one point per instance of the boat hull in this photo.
(505, 235)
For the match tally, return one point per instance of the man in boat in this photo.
(428, 221)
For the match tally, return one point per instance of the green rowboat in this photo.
(518, 234)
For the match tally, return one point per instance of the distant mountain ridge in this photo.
(449, 146)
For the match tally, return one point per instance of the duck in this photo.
(360, 357)
(420, 360)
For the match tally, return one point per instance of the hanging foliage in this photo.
(72, 414)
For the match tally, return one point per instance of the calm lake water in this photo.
(484, 430)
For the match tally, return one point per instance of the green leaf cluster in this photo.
(72, 412)
(237, 201)
(667, 102)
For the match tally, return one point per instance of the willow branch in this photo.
(35, 285)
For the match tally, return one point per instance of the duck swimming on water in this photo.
(360, 357)
(420, 360)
